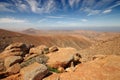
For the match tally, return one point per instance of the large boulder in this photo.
(106, 68)
(34, 71)
(61, 58)
(11, 60)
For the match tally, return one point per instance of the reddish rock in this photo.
(61, 58)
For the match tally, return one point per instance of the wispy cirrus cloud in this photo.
(74, 3)
(91, 11)
(47, 7)
(12, 20)
(115, 5)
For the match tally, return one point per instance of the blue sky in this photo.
(48, 14)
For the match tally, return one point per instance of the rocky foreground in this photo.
(21, 61)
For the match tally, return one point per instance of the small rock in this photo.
(42, 49)
(34, 71)
(53, 49)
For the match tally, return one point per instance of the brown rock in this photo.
(107, 68)
(30, 56)
(34, 71)
(9, 61)
(53, 49)
(14, 69)
(42, 49)
(61, 58)
(16, 45)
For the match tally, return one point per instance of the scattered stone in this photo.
(34, 71)
(11, 60)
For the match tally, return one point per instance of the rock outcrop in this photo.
(107, 68)
(61, 58)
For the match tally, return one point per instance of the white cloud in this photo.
(4, 7)
(84, 20)
(88, 3)
(103, 4)
(107, 11)
(117, 4)
(73, 3)
(47, 7)
(11, 20)
(91, 11)
(56, 17)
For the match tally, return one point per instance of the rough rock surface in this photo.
(42, 59)
(34, 71)
(11, 60)
(107, 68)
(15, 49)
(42, 49)
(61, 58)
(53, 49)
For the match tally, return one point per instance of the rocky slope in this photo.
(7, 37)
(21, 61)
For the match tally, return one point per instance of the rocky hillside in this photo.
(21, 61)
(7, 37)
(107, 47)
